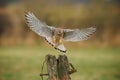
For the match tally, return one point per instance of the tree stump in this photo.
(52, 67)
(58, 68)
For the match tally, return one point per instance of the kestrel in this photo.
(56, 36)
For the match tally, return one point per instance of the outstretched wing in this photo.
(78, 35)
(39, 27)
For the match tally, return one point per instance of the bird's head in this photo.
(58, 31)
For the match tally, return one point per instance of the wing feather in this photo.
(78, 35)
(37, 26)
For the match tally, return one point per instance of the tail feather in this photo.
(60, 47)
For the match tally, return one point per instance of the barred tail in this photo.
(60, 47)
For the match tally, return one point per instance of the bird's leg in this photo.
(60, 41)
(56, 44)
(54, 39)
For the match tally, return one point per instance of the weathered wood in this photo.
(58, 68)
(52, 67)
(63, 67)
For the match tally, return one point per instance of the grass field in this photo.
(24, 63)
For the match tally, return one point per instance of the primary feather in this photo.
(38, 27)
(78, 35)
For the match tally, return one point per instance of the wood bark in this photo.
(58, 68)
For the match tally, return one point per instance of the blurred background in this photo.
(22, 51)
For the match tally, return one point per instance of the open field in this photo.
(24, 63)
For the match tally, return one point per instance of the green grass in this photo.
(24, 63)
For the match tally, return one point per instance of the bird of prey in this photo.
(56, 36)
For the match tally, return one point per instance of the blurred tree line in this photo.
(101, 14)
